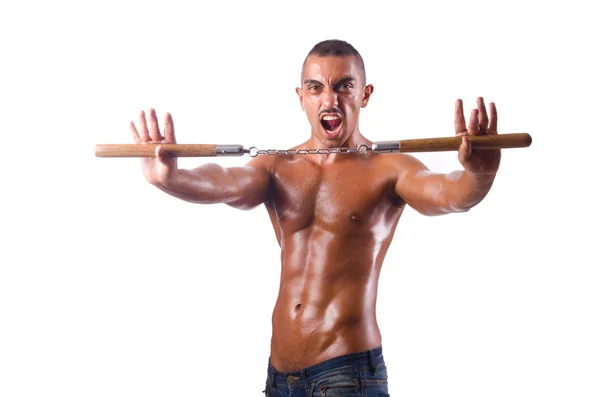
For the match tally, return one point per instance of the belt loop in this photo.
(273, 381)
(372, 363)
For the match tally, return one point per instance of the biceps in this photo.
(250, 187)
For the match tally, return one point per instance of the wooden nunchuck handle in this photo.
(500, 141)
(148, 149)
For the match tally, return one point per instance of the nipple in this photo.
(354, 217)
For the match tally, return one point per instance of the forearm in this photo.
(211, 183)
(205, 184)
(462, 190)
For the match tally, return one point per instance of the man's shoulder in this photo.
(398, 161)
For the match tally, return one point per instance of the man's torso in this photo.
(334, 223)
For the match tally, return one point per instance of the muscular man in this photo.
(334, 217)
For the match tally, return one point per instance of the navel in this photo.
(298, 306)
(354, 217)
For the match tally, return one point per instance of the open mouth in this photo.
(331, 123)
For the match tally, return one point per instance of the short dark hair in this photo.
(336, 48)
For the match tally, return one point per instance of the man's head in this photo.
(333, 89)
(336, 48)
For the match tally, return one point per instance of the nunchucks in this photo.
(478, 142)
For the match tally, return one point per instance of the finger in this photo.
(144, 128)
(464, 151)
(459, 118)
(154, 130)
(493, 129)
(169, 128)
(134, 133)
(473, 123)
(483, 117)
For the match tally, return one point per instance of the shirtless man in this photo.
(334, 217)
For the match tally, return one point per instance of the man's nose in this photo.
(329, 98)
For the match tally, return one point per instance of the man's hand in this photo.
(157, 170)
(477, 161)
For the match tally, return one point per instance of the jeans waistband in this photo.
(368, 358)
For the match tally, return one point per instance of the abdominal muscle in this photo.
(327, 298)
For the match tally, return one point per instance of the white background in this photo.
(108, 287)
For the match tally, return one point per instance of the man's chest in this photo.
(333, 195)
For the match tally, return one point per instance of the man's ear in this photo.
(300, 96)
(368, 91)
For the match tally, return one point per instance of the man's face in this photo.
(332, 93)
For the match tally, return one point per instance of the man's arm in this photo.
(240, 187)
(435, 194)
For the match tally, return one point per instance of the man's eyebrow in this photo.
(311, 81)
(345, 80)
(342, 81)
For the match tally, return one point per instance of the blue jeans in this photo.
(357, 374)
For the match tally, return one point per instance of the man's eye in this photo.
(344, 87)
(312, 87)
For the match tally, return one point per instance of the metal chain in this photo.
(361, 149)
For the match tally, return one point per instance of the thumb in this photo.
(165, 166)
(162, 156)
(464, 151)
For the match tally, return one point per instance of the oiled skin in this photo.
(334, 223)
(334, 215)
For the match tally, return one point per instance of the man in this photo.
(334, 216)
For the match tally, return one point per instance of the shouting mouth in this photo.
(331, 123)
